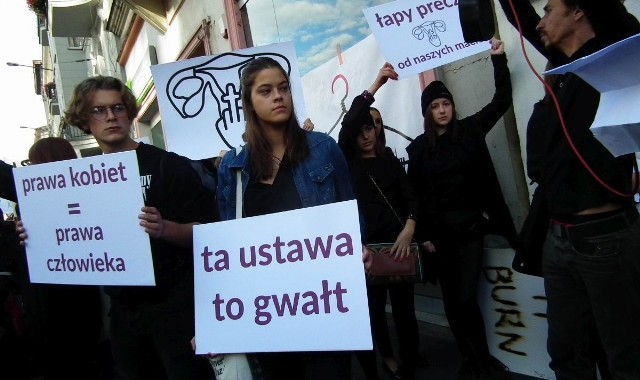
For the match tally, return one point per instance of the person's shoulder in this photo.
(417, 143)
(313, 136)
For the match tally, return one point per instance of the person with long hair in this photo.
(587, 233)
(283, 167)
(460, 198)
(387, 207)
(64, 322)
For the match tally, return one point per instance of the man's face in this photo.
(557, 24)
(108, 119)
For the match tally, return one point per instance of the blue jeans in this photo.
(592, 276)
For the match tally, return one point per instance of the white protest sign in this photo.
(418, 35)
(291, 281)
(514, 307)
(614, 71)
(331, 87)
(82, 219)
(200, 101)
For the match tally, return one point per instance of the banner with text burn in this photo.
(418, 35)
(82, 220)
(291, 281)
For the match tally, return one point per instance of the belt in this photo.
(614, 223)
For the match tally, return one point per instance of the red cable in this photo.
(557, 105)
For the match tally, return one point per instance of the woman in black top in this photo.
(375, 172)
(451, 170)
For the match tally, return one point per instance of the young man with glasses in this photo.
(150, 327)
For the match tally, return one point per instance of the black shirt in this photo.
(169, 183)
(382, 225)
(281, 195)
(566, 183)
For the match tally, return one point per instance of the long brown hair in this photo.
(260, 151)
(51, 149)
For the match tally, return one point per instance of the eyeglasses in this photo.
(101, 112)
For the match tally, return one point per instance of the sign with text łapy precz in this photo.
(290, 281)
(82, 220)
(418, 35)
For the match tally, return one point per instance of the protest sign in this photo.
(614, 71)
(415, 35)
(514, 309)
(331, 87)
(200, 101)
(82, 219)
(290, 281)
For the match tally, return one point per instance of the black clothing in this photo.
(281, 195)
(381, 223)
(459, 189)
(455, 179)
(374, 179)
(63, 322)
(567, 186)
(564, 185)
(170, 184)
(591, 266)
(152, 325)
(7, 188)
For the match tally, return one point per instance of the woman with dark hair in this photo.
(64, 322)
(283, 167)
(387, 207)
(451, 171)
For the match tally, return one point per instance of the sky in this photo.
(19, 104)
(315, 26)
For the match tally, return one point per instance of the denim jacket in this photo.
(322, 178)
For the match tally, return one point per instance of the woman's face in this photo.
(271, 98)
(441, 111)
(367, 141)
(377, 121)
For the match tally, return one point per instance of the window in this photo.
(316, 27)
(76, 43)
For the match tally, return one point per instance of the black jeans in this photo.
(152, 340)
(401, 296)
(459, 271)
(592, 275)
(304, 365)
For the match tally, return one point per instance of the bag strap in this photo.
(385, 199)
(239, 194)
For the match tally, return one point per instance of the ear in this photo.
(578, 13)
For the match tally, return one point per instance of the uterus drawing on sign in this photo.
(190, 89)
(430, 29)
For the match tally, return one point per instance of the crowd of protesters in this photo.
(585, 236)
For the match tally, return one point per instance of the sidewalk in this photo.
(438, 346)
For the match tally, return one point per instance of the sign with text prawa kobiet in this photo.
(82, 220)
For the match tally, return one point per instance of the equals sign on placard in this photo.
(74, 208)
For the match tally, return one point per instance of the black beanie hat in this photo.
(435, 90)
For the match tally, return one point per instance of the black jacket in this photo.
(466, 157)
(564, 185)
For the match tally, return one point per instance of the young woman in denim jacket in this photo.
(283, 167)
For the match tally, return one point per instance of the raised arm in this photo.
(489, 115)
(361, 103)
